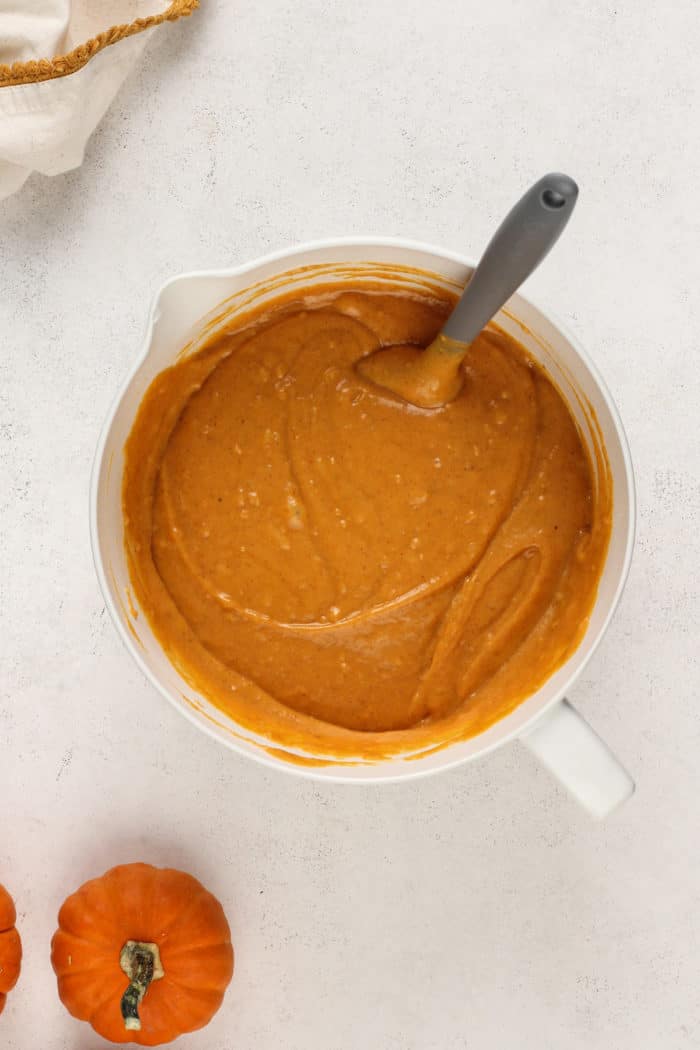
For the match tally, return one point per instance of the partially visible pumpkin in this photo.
(10, 946)
(142, 953)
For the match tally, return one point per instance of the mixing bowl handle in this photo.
(568, 747)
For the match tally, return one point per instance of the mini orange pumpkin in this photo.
(144, 954)
(10, 946)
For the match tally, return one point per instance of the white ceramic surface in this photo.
(187, 310)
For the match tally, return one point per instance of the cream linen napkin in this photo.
(61, 64)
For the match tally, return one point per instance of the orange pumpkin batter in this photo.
(340, 570)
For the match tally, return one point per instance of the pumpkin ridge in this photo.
(203, 971)
(182, 1012)
(184, 914)
(99, 964)
(196, 989)
(99, 945)
(65, 982)
(77, 900)
(8, 910)
(190, 948)
(152, 879)
(99, 1006)
(10, 960)
(202, 995)
(160, 885)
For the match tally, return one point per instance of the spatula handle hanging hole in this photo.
(552, 199)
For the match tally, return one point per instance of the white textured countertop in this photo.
(481, 909)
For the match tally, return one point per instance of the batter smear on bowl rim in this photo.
(339, 570)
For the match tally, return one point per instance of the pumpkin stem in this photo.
(141, 964)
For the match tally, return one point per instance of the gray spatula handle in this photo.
(517, 248)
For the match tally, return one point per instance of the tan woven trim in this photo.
(61, 66)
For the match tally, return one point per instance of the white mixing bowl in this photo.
(189, 309)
